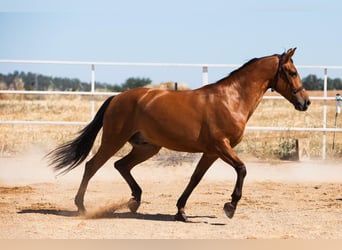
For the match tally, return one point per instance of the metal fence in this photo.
(205, 79)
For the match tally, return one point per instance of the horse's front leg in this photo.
(230, 207)
(228, 155)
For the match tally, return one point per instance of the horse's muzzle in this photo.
(302, 105)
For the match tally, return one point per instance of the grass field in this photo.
(17, 139)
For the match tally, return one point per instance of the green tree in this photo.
(335, 83)
(311, 82)
(135, 82)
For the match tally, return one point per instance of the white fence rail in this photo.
(205, 79)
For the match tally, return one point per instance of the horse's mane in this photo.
(240, 68)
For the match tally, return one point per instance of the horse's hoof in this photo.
(81, 211)
(133, 205)
(229, 209)
(181, 217)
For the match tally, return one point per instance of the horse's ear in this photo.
(290, 52)
(287, 56)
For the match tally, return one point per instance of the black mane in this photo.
(234, 71)
(243, 66)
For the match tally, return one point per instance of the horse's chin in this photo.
(300, 107)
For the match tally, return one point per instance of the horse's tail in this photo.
(69, 155)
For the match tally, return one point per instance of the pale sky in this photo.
(177, 31)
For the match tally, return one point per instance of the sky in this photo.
(177, 31)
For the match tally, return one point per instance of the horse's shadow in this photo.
(118, 215)
(153, 217)
(58, 212)
(113, 215)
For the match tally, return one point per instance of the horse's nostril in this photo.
(308, 102)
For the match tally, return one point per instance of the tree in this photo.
(132, 83)
(335, 83)
(34, 81)
(311, 82)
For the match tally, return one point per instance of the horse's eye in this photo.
(293, 74)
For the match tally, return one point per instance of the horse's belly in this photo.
(177, 142)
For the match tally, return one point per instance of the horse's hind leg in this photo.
(91, 167)
(138, 154)
(201, 168)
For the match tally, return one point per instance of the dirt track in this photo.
(291, 200)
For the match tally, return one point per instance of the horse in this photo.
(210, 120)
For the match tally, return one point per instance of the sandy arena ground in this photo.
(280, 200)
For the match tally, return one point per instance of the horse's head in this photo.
(288, 83)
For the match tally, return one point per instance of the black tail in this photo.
(71, 154)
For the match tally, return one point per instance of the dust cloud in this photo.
(107, 211)
(26, 169)
(32, 167)
(282, 171)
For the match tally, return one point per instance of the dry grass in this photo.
(280, 113)
(16, 139)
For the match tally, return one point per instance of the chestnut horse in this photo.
(210, 120)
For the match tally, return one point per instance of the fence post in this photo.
(205, 79)
(324, 138)
(338, 111)
(92, 83)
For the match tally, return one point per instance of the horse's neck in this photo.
(245, 89)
